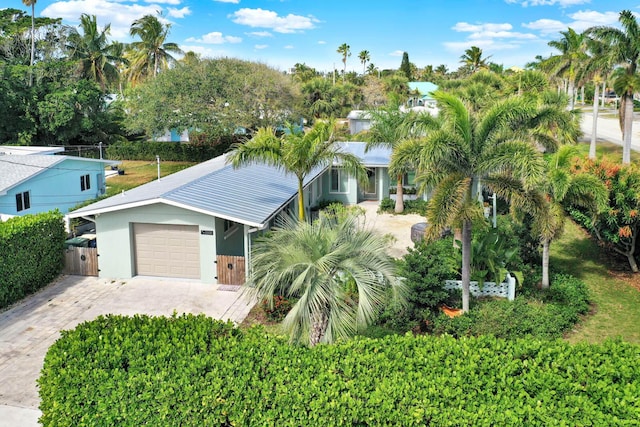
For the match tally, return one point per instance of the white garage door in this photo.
(167, 250)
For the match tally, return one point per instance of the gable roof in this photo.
(250, 195)
(16, 169)
(28, 149)
(424, 88)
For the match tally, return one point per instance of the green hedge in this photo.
(194, 371)
(169, 151)
(31, 254)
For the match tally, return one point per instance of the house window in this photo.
(339, 181)
(409, 179)
(230, 227)
(23, 201)
(85, 182)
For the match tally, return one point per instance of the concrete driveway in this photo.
(28, 329)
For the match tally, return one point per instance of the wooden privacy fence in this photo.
(230, 269)
(81, 261)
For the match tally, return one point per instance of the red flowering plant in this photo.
(616, 227)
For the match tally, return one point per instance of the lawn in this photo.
(610, 150)
(138, 172)
(615, 290)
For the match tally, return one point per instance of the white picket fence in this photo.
(506, 289)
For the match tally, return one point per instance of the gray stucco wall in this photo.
(115, 239)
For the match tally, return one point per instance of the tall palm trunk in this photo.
(319, 324)
(546, 244)
(466, 264)
(594, 125)
(571, 92)
(628, 124)
(300, 200)
(33, 42)
(399, 207)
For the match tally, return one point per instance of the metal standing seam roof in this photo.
(249, 195)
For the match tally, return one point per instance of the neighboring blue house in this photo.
(199, 223)
(422, 94)
(38, 183)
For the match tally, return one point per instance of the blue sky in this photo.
(283, 32)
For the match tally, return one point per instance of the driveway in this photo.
(28, 329)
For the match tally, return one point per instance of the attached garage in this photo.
(167, 250)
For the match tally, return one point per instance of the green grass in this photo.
(607, 149)
(616, 302)
(139, 172)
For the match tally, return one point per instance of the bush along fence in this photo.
(506, 289)
(169, 151)
(195, 371)
(31, 254)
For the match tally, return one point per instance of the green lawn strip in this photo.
(608, 149)
(138, 172)
(617, 304)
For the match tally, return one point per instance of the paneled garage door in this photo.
(167, 250)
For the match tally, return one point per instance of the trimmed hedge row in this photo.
(195, 371)
(31, 254)
(168, 151)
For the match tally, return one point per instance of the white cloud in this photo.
(396, 53)
(322, 42)
(173, 2)
(580, 21)
(261, 46)
(260, 34)
(178, 13)
(489, 36)
(228, 1)
(119, 15)
(561, 3)
(204, 52)
(214, 37)
(288, 46)
(260, 18)
(472, 28)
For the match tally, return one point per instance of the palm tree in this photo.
(624, 49)
(297, 152)
(372, 69)
(364, 57)
(344, 50)
(595, 68)
(339, 272)
(96, 57)
(471, 149)
(389, 128)
(473, 59)
(442, 69)
(152, 53)
(32, 3)
(562, 186)
(572, 47)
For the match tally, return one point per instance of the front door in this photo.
(371, 189)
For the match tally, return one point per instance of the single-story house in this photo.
(38, 183)
(199, 223)
(26, 150)
(421, 99)
(359, 121)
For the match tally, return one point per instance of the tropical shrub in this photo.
(195, 371)
(276, 308)
(31, 254)
(618, 226)
(424, 269)
(417, 206)
(539, 314)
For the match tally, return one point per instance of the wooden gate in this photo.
(81, 261)
(230, 270)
